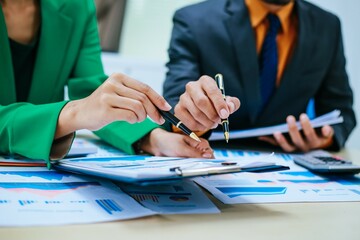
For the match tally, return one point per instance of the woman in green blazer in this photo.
(46, 45)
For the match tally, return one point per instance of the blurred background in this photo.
(135, 36)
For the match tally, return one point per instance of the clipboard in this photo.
(147, 170)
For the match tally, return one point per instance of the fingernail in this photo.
(205, 149)
(304, 117)
(162, 120)
(168, 106)
(277, 135)
(224, 113)
(207, 155)
(232, 106)
(327, 132)
(291, 119)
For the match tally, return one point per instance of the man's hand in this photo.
(202, 105)
(303, 141)
(162, 143)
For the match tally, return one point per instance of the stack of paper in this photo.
(148, 169)
(326, 119)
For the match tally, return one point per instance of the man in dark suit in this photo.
(275, 56)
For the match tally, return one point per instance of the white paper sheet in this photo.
(137, 169)
(37, 196)
(326, 119)
(294, 185)
(184, 197)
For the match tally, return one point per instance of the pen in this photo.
(175, 121)
(224, 122)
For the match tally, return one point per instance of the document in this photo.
(326, 119)
(37, 196)
(81, 147)
(20, 162)
(184, 197)
(294, 185)
(149, 170)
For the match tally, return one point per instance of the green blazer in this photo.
(68, 54)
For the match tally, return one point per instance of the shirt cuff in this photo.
(61, 147)
(327, 144)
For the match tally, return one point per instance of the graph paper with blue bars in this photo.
(294, 185)
(37, 196)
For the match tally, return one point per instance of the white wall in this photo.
(349, 13)
(148, 26)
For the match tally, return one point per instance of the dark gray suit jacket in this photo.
(216, 36)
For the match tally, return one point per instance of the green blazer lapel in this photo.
(7, 80)
(54, 39)
(240, 30)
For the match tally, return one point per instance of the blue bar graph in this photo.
(239, 191)
(298, 174)
(4, 201)
(109, 205)
(26, 202)
(47, 175)
(47, 186)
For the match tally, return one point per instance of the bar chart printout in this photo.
(37, 196)
(294, 185)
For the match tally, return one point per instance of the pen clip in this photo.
(205, 171)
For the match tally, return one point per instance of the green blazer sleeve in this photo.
(26, 129)
(119, 134)
(68, 54)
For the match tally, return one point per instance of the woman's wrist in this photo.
(68, 120)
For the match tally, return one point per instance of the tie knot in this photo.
(274, 23)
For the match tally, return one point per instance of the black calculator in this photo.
(326, 164)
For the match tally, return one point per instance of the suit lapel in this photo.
(54, 38)
(7, 80)
(297, 61)
(242, 35)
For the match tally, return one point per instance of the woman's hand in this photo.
(119, 98)
(162, 143)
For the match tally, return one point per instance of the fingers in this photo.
(278, 139)
(197, 149)
(130, 88)
(141, 87)
(162, 143)
(214, 94)
(182, 113)
(327, 131)
(310, 139)
(313, 139)
(192, 113)
(143, 100)
(295, 134)
(283, 143)
(270, 140)
(202, 105)
(233, 103)
(309, 132)
(126, 109)
(197, 101)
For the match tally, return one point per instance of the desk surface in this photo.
(244, 221)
